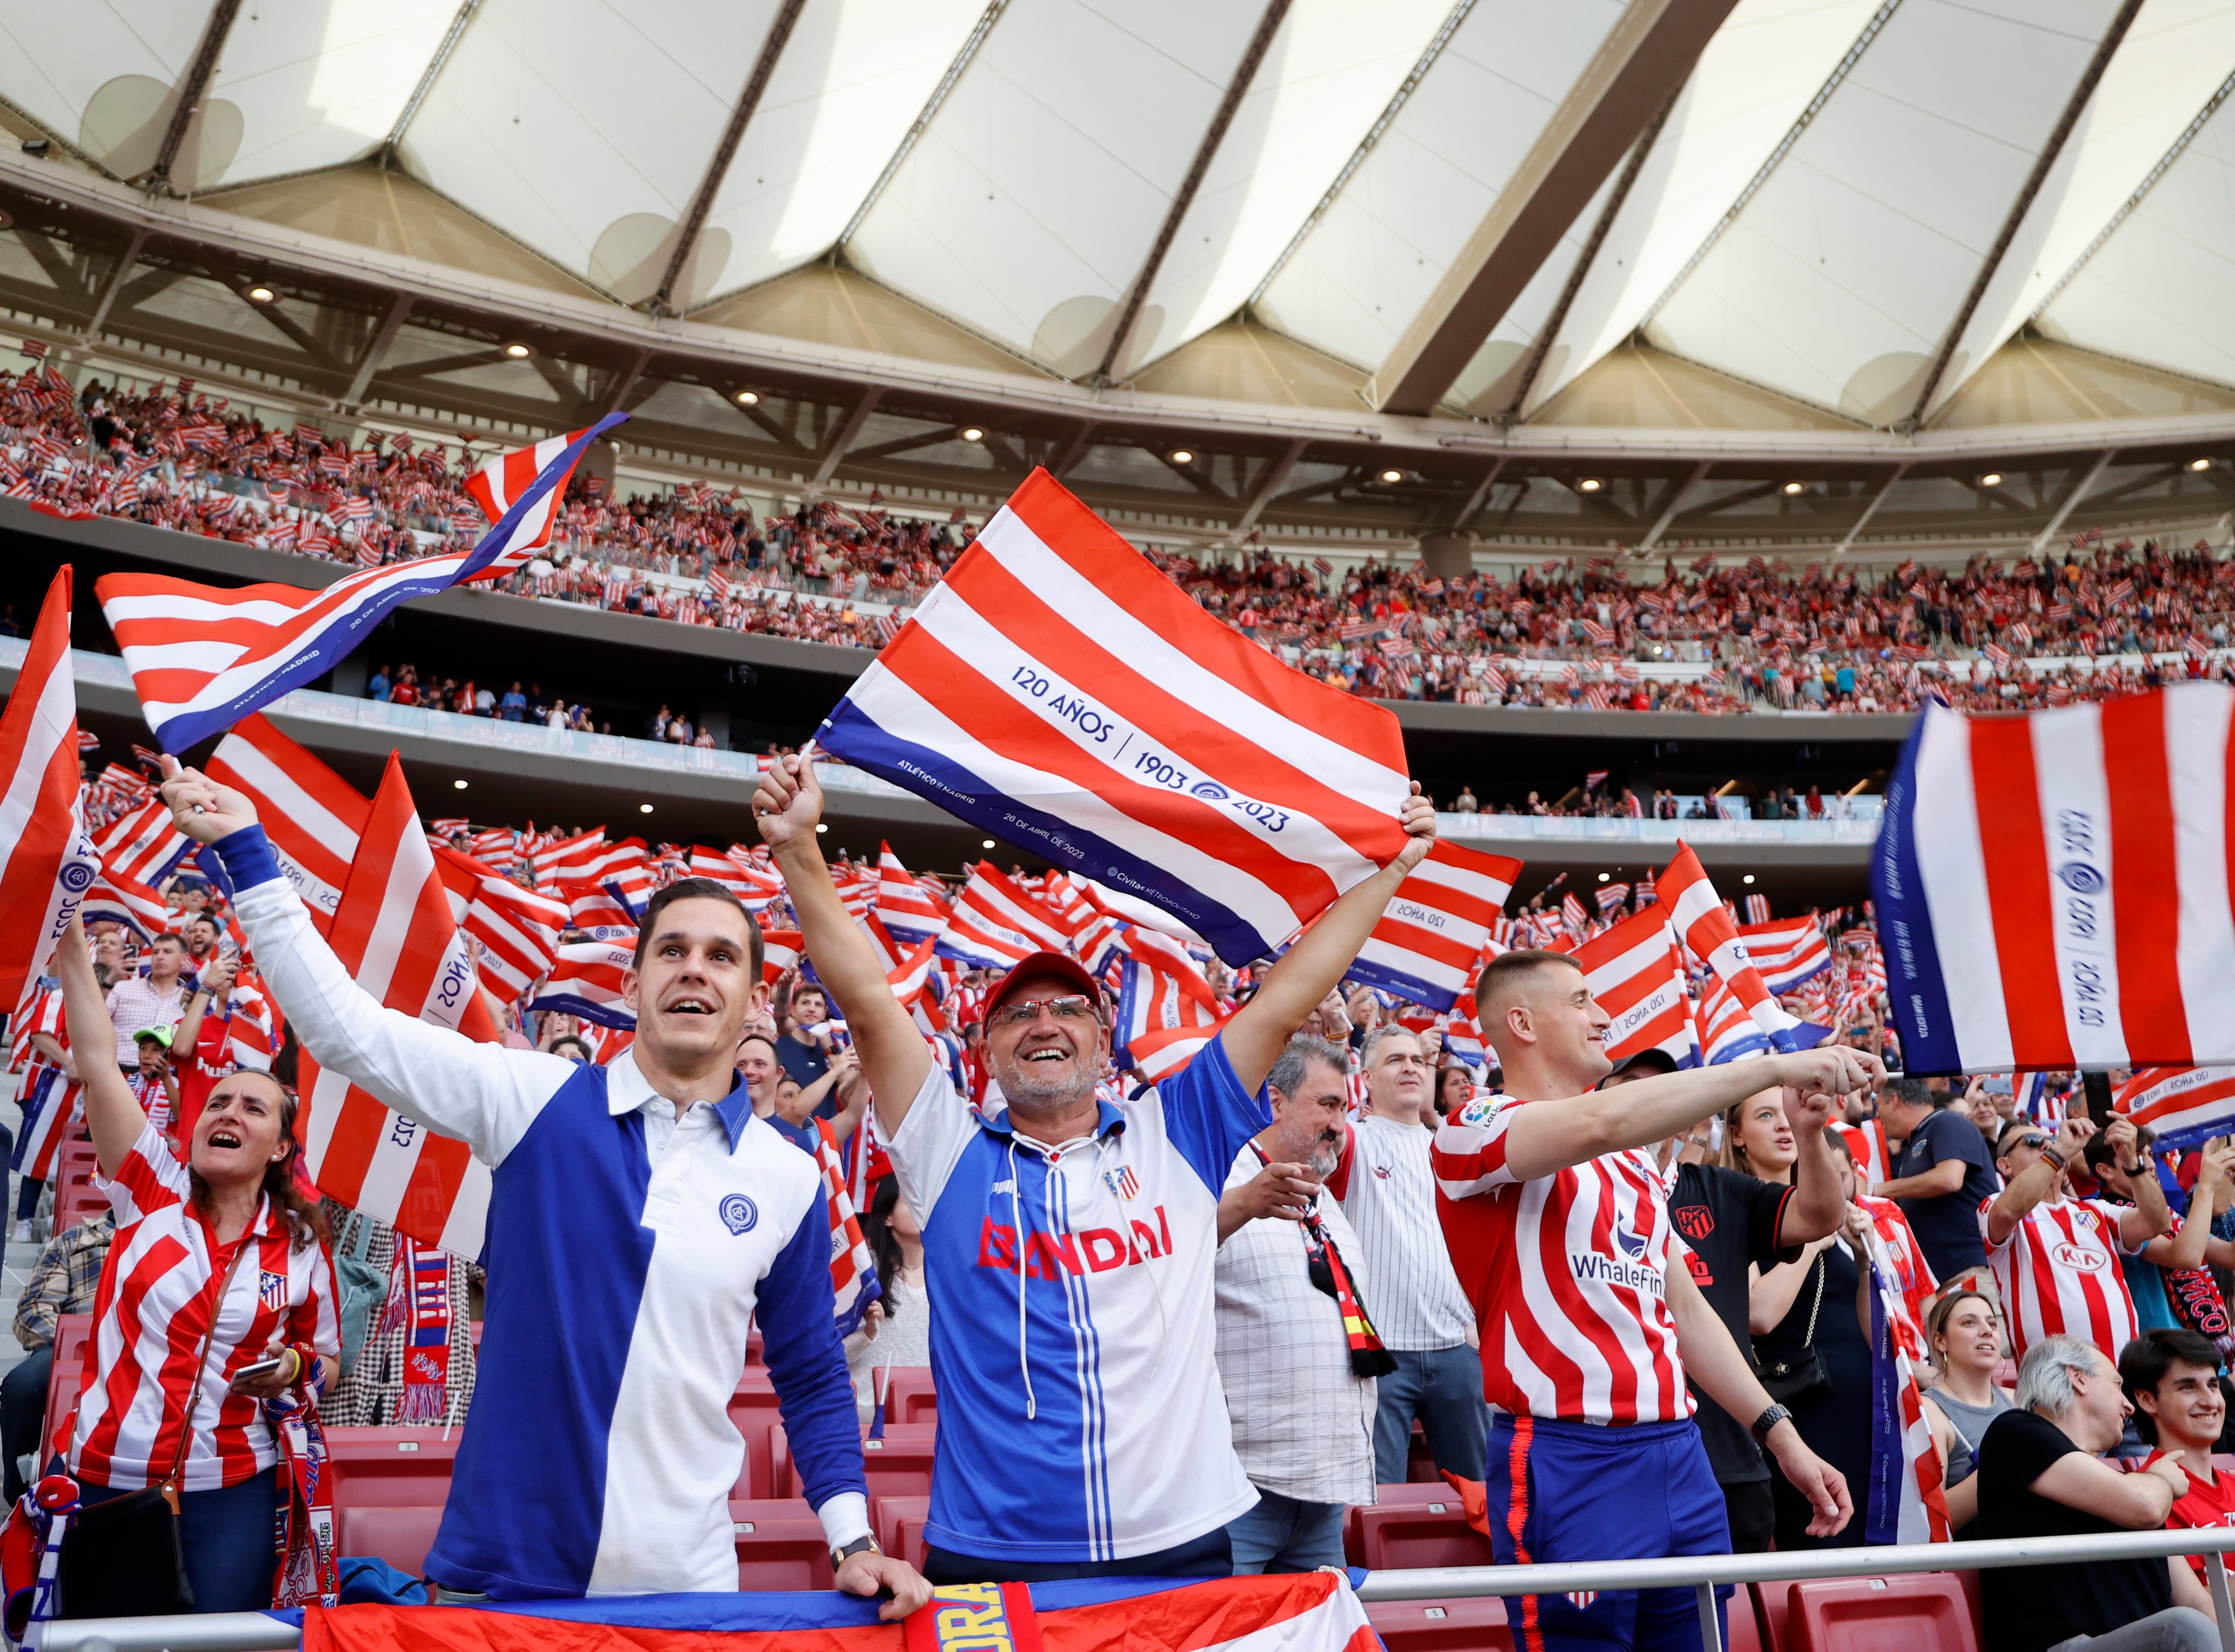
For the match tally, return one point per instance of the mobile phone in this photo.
(261, 1368)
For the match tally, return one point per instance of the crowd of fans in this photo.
(1708, 637)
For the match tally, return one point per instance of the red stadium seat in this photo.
(1399, 1537)
(1472, 1625)
(77, 1198)
(1899, 1613)
(391, 1468)
(753, 1410)
(1439, 1498)
(900, 1521)
(66, 1375)
(400, 1537)
(897, 1466)
(769, 1560)
(909, 1397)
(1420, 1467)
(1745, 1629)
(753, 1346)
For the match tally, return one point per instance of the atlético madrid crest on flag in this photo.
(2053, 889)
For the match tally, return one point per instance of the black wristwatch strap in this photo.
(865, 1544)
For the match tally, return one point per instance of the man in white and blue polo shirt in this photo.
(1070, 1238)
(640, 1215)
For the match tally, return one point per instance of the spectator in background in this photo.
(1388, 1192)
(513, 707)
(378, 688)
(1454, 1088)
(2040, 1476)
(156, 1000)
(2173, 1378)
(63, 1280)
(1965, 1335)
(2054, 1256)
(805, 1049)
(896, 1328)
(1942, 1178)
(1732, 1220)
(1297, 1353)
(1465, 804)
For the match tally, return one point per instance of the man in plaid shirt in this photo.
(63, 1281)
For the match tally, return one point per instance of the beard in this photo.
(1045, 1087)
(1324, 1157)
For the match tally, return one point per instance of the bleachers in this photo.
(76, 1196)
(1909, 1613)
(900, 1521)
(909, 1396)
(1439, 1498)
(66, 1376)
(389, 1486)
(897, 1466)
(1400, 1536)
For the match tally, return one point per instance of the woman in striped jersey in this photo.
(224, 1253)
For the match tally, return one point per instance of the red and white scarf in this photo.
(419, 1299)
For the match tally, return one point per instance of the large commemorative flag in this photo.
(47, 863)
(1637, 976)
(1056, 691)
(202, 657)
(2183, 1107)
(2053, 890)
(1312, 1611)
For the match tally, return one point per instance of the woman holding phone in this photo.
(219, 1295)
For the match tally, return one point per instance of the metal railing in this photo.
(259, 1632)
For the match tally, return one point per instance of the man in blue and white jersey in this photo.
(638, 1216)
(1071, 1238)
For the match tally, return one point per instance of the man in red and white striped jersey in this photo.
(2055, 1258)
(1557, 1221)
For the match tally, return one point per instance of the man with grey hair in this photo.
(1297, 1352)
(2041, 1475)
(1388, 1191)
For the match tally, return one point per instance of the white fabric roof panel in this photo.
(1322, 84)
(2172, 60)
(1486, 384)
(57, 62)
(1408, 211)
(318, 85)
(1028, 207)
(1838, 279)
(850, 83)
(1757, 75)
(2157, 291)
(584, 127)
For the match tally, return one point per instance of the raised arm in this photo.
(2186, 1248)
(1315, 964)
(111, 1116)
(2149, 1217)
(2030, 1185)
(216, 981)
(1552, 1136)
(893, 1055)
(483, 1094)
(1817, 1206)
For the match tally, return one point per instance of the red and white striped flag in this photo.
(2053, 890)
(586, 981)
(202, 657)
(1158, 1055)
(1757, 909)
(1905, 1501)
(2184, 1107)
(1635, 973)
(46, 862)
(143, 846)
(908, 910)
(854, 1283)
(994, 924)
(518, 928)
(116, 899)
(510, 479)
(312, 815)
(1057, 683)
(1787, 954)
(595, 911)
(393, 933)
(1700, 918)
(1431, 937)
(571, 859)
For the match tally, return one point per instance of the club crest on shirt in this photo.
(739, 1213)
(1122, 1182)
(271, 1291)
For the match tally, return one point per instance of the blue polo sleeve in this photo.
(1209, 1116)
(799, 1339)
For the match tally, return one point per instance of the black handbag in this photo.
(1804, 1379)
(123, 1557)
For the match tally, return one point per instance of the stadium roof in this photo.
(1841, 227)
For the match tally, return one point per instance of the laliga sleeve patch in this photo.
(1476, 1114)
(739, 1213)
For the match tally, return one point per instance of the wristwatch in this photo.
(865, 1544)
(1768, 1420)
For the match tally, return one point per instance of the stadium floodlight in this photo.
(988, 844)
(1796, 486)
(1992, 479)
(643, 809)
(2199, 464)
(518, 352)
(1182, 455)
(748, 398)
(1392, 475)
(1589, 485)
(972, 433)
(457, 785)
(261, 294)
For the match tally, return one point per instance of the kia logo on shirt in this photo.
(2084, 1259)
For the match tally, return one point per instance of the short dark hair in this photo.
(1507, 965)
(697, 888)
(1916, 1093)
(2002, 1141)
(176, 940)
(2144, 1361)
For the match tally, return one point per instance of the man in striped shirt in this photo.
(2055, 1258)
(1557, 1218)
(157, 999)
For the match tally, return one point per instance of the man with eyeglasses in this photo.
(1069, 1236)
(2055, 1258)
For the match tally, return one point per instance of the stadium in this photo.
(1648, 542)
